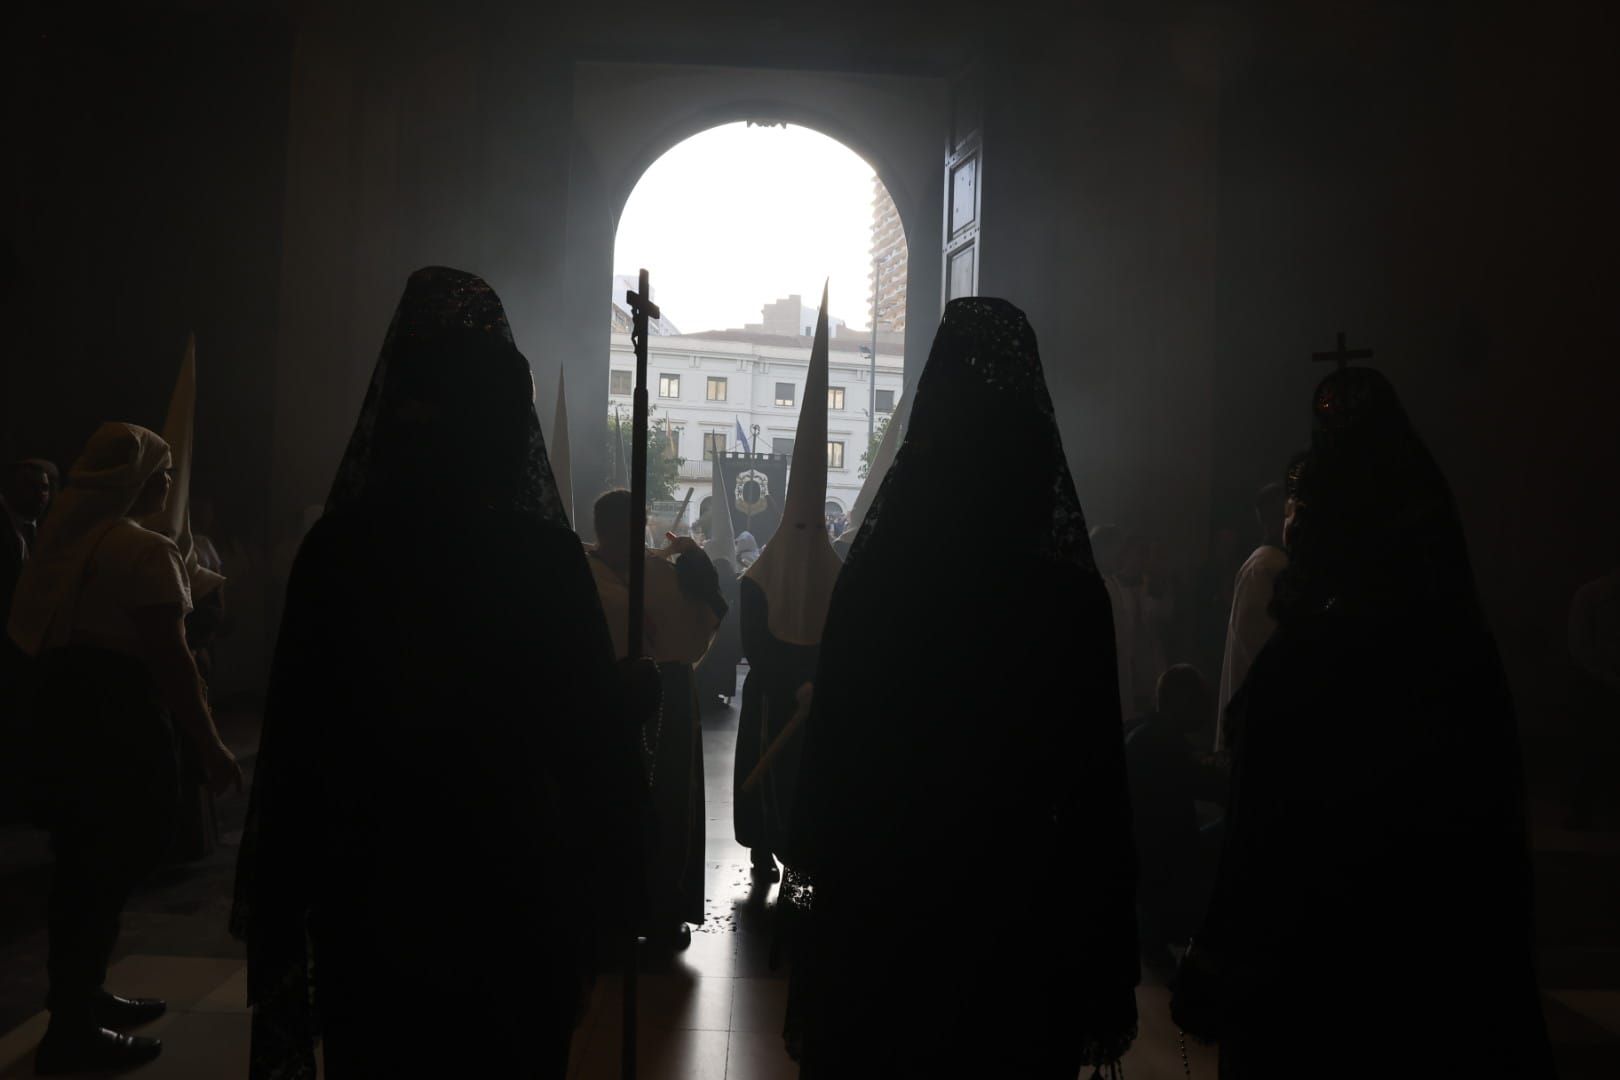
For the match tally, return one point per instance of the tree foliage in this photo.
(663, 463)
(872, 447)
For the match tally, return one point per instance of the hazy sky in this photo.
(736, 217)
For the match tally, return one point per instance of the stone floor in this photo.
(713, 1012)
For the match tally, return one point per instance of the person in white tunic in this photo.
(1251, 624)
(101, 609)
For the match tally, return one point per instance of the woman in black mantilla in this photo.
(1374, 893)
(964, 764)
(441, 776)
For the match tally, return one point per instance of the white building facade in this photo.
(704, 386)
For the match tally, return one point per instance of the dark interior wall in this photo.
(1099, 220)
(425, 138)
(1434, 182)
(145, 202)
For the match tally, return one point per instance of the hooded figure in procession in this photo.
(101, 609)
(717, 674)
(784, 597)
(197, 825)
(1354, 874)
(965, 720)
(439, 820)
(682, 613)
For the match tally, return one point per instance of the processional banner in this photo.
(755, 485)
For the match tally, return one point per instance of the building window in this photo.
(835, 397)
(835, 455)
(714, 442)
(669, 386)
(885, 401)
(673, 448)
(784, 395)
(782, 446)
(717, 388)
(619, 383)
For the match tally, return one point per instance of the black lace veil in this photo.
(449, 338)
(985, 365)
(1376, 527)
(905, 687)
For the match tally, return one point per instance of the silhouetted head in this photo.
(30, 487)
(1182, 697)
(454, 412)
(611, 518)
(1374, 528)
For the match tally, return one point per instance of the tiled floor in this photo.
(714, 1012)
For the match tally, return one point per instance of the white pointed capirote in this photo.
(798, 568)
(888, 446)
(174, 521)
(561, 462)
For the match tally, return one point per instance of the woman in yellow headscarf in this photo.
(101, 608)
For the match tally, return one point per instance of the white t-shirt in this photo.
(1250, 625)
(130, 568)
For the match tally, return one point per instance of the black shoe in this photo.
(676, 939)
(112, 1011)
(766, 871)
(91, 1049)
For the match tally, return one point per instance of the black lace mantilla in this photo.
(986, 346)
(437, 300)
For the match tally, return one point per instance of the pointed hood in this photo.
(722, 542)
(179, 431)
(799, 566)
(561, 458)
(887, 447)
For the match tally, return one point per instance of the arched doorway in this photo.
(747, 220)
(627, 115)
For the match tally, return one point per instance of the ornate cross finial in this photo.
(1341, 355)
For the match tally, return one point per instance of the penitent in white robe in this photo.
(1249, 627)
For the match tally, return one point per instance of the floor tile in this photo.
(679, 1001)
(228, 996)
(1567, 1027)
(182, 981)
(1156, 1054)
(758, 1055)
(202, 1046)
(759, 1006)
(662, 1055)
(1600, 1006)
(17, 1046)
(17, 1050)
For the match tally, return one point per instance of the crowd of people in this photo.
(476, 777)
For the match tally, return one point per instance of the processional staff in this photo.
(1341, 355)
(642, 307)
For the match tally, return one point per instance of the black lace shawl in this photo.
(501, 542)
(1378, 791)
(919, 760)
(442, 304)
(1375, 526)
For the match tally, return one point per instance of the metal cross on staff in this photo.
(1341, 355)
(642, 307)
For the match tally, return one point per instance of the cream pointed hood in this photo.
(179, 431)
(799, 567)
